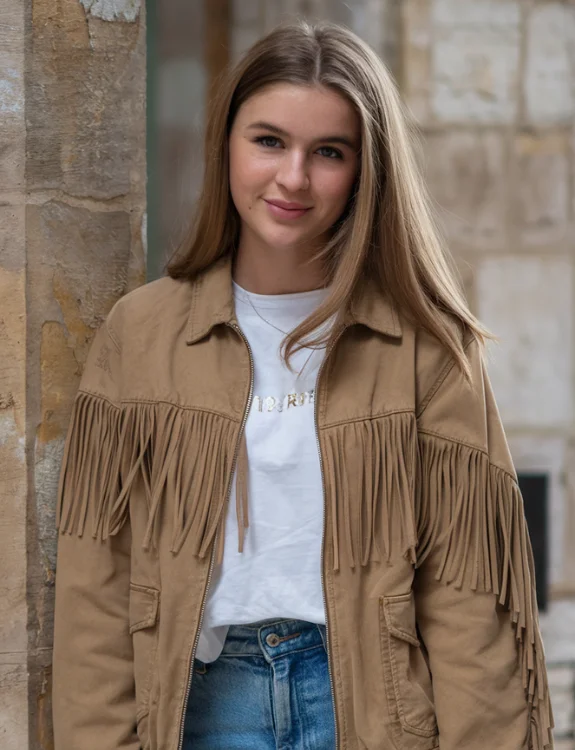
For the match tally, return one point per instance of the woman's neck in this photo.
(276, 272)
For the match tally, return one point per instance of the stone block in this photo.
(548, 455)
(549, 75)
(89, 79)
(528, 303)
(543, 188)
(475, 65)
(468, 174)
(77, 285)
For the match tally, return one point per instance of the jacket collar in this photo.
(213, 304)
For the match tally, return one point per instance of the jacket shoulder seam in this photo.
(368, 417)
(101, 396)
(440, 380)
(471, 446)
(151, 401)
(113, 337)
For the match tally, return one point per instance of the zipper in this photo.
(238, 330)
(316, 406)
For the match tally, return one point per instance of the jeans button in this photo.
(272, 639)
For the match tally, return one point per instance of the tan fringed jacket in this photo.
(433, 635)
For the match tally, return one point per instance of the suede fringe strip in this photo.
(370, 496)
(471, 521)
(172, 454)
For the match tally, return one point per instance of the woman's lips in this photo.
(286, 213)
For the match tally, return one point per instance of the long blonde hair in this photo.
(387, 231)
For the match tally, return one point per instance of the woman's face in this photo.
(293, 161)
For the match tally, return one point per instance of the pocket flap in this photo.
(144, 602)
(400, 617)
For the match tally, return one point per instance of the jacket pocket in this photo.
(406, 674)
(144, 610)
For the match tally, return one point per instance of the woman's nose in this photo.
(292, 173)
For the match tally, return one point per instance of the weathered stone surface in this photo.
(528, 303)
(113, 10)
(544, 188)
(475, 60)
(548, 455)
(78, 284)
(11, 85)
(12, 236)
(468, 176)
(97, 99)
(12, 125)
(549, 79)
(13, 702)
(13, 473)
(11, 161)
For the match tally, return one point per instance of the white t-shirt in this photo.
(279, 572)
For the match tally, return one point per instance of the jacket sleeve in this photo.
(474, 583)
(94, 694)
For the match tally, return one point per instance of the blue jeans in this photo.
(269, 690)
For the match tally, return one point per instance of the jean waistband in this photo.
(273, 638)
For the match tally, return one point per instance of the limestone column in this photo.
(13, 463)
(72, 212)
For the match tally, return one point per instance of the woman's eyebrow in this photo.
(261, 125)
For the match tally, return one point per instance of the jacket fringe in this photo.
(370, 517)
(410, 495)
(109, 450)
(473, 511)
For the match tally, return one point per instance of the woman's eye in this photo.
(332, 153)
(268, 141)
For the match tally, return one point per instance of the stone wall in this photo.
(72, 208)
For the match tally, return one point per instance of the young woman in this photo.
(289, 515)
